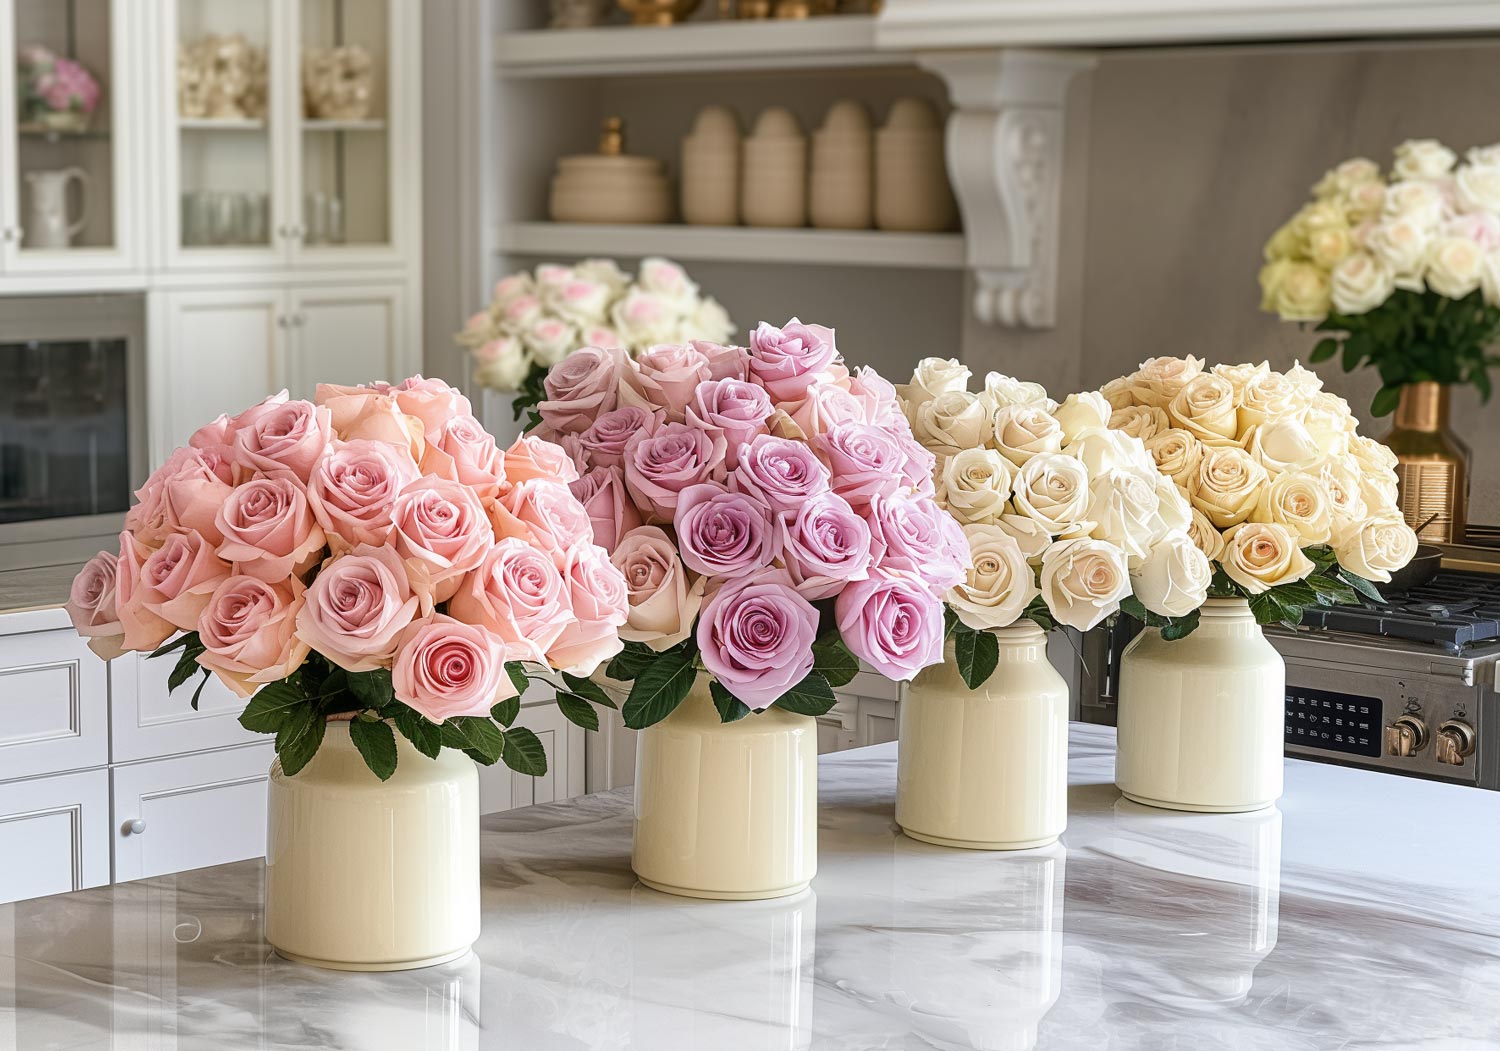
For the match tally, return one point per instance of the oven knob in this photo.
(1406, 736)
(1455, 742)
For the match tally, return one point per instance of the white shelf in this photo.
(834, 42)
(739, 244)
(343, 125)
(220, 124)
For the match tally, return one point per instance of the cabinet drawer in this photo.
(54, 834)
(194, 810)
(54, 701)
(147, 721)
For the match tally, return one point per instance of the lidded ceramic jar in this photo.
(842, 186)
(711, 168)
(774, 189)
(912, 192)
(610, 186)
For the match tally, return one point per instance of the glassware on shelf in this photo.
(323, 215)
(213, 218)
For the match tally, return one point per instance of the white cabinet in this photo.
(53, 704)
(186, 812)
(148, 721)
(54, 834)
(348, 334)
(501, 788)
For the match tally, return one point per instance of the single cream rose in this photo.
(1283, 444)
(1140, 421)
(1172, 580)
(1024, 431)
(1226, 485)
(1361, 283)
(1205, 408)
(1117, 392)
(1001, 390)
(1240, 376)
(932, 377)
(1299, 502)
(1034, 540)
(952, 422)
(1259, 556)
(1268, 397)
(975, 486)
(1125, 510)
(1158, 380)
(1329, 246)
(1455, 266)
(1298, 292)
(1423, 159)
(1101, 449)
(1084, 581)
(1206, 535)
(1088, 410)
(1000, 585)
(1376, 547)
(1177, 454)
(1340, 476)
(1478, 187)
(663, 602)
(1401, 244)
(1053, 491)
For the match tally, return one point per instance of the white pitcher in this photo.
(48, 226)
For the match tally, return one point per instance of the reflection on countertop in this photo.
(1356, 914)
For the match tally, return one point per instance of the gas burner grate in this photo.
(1452, 610)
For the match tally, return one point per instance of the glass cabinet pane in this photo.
(223, 122)
(345, 126)
(64, 150)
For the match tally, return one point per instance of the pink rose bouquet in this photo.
(770, 511)
(370, 555)
(56, 92)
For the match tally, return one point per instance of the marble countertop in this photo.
(31, 589)
(1360, 914)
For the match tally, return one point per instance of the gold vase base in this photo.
(725, 895)
(1199, 808)
(397, 965)
(976, 844)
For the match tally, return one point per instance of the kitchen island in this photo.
(1360, 913)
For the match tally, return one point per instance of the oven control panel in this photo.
(1334, 722)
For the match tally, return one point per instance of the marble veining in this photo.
(1359, 914)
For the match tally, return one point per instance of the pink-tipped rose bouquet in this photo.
(770, 511)
(370, 555)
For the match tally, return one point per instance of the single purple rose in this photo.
(580, 387)
(605, 440)
(724, 363)
(611, 512)
(865, 461)
(756, 635)
(824, 544)
(660, 466)
(786, 361)
(733, 408)
(722, 533)
(912, 536)
(892, 623)
(779, 472)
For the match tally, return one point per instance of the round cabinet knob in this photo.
(1455, 742)
(134, 828)
(1406, 736)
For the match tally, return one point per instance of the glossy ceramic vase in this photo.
(986, 769)
(726, 810)
(365, 875)
(1202, 718)
(1432, 464)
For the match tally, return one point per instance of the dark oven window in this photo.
(64, 447)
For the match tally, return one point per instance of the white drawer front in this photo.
(54, 834)
(194, 811)
(53, 705)
(148, 721)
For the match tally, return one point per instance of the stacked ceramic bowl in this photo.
(843, 173)
(602, 189)
(711, 169)
(911, 179)
(774, 190)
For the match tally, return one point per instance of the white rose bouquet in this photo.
(1067, 520)
(536, 319)
(1404, 271)
(1293, 506)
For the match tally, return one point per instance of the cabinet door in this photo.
(147, 720)
(54, 834)
(171, 815)
(501, 788)
(53, 705)
(349, 334)
(222, 351)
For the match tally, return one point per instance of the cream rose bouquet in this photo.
(1067, 520)
(1404, 271)
(371, 555)
(537, 319)
(770, 511)
(1293, 505)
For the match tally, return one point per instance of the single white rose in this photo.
(1139, 421)
(1272, 396)
(933, 376)
(1084, 581)
(579, 301)
(1081, 412)
(1361, 283)
(975, 486)
(1371, 454)
(1206, 409)
(1102, 449)
(952, 422)
(1401, 244)
(1380, 491)
(1000, 585)
(1259, 556)
(1001, 390)
(1478, 187)
(1489, 279)
(1032, 538)
(668, 280)
(606, 271)
(1172, 503)
(1420, 203)
(1304, 380)
(1484, 154)
(1241, 375)
(1227, 485)
(1024, 431)
(1158, 380)
(1340, 476)
(1284, 444)
(1053, 491)
(1363, 203)
(1172, 580)
(1126, 511)
(1176, 454)
(1299, 502)
(1376, 547)
(502, 364)
(1455, 266)
(550, 340)
(1206, 535)
(1423, 159)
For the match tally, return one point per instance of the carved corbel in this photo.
(1005, 156)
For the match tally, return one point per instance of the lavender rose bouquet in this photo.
(771, 512)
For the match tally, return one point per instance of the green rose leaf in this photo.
(812, 696)
(506, 711)
(978, 654)
(474, 734)
(588, 689)
(272, 707)
(425, 736)
(578, 711)
(372, 689)
(186, 638)
(731, 708)
(631, 662)
(1363, 586)
(660, 689)
(299, 738)
(833, 661)
(377, 746)
(524, 752)
(518, 678)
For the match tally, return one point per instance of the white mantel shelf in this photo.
(738, 244)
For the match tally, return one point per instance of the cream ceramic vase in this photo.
(726, 810)
(1202, 719)
(986, 769)
(365, 875)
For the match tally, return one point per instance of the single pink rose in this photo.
(821, 407)
(865, 461)
(581, 388)
(659, 466)
(182, 495)
(465, 452)
(600, 606)
(779, 472)
(177, 579)
(216, 436)
(732, 408)
(433, 402)
(824, 545)
(91, 606)
(665, 377)
(357, 605)
(724, 363)
(605, 440)
(607, 502)
(877, 397)
(144, 629)
(441, 525)
(371, 413)
(664, 600)
(532, 458)
(353, 490)
(723, 534)
(893, 623)
(268, 528)
(911, 535)
(786, 361)
(756, 636)
(919, 462)
(519, 596)
(546, 514)
(281, 436)
(446, 669)
(248, 630)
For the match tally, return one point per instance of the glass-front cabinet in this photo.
(70, 120)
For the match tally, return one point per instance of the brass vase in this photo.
(1432, 464)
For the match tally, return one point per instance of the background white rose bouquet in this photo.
(1067, 520)
(1406, 272)
(537, 319)
(1291, 503)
